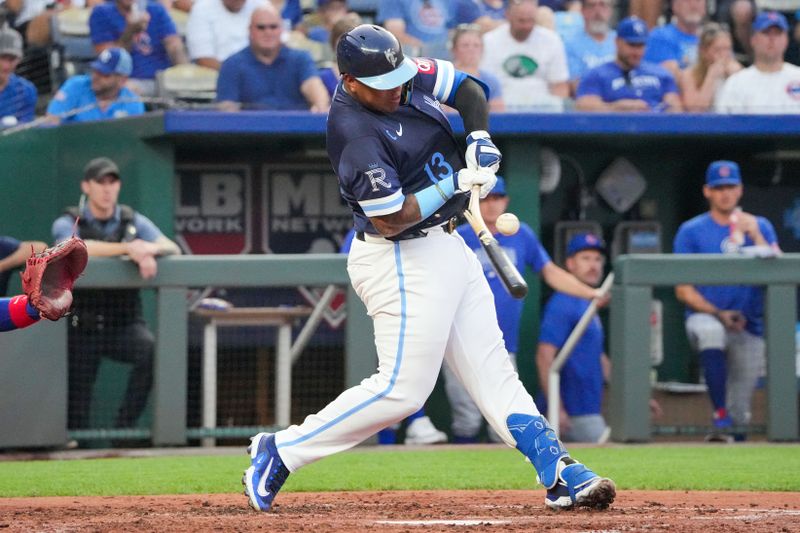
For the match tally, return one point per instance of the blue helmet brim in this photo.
(390, 80)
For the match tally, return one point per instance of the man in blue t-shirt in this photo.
(268, 75)
(628, 83)
(583, 374)
(524, 250)
(150, 37)
(100, 95)
(420, 25)
(725, 323)
(592, 45)
(674, 45)
(17, 95)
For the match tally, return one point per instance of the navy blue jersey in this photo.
(380, 158)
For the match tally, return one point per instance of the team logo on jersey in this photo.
(432, 102)
(520, 66)
(793, 90)
(729, 246)
(425, 66)
(397, 133)
(377, 176)
(391, 56)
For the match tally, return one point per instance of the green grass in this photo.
(750, 468)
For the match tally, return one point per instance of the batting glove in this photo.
(467, 177)
(481, 152)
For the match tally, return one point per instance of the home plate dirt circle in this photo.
(409, 511)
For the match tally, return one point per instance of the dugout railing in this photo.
(635, 278)
(175, 276)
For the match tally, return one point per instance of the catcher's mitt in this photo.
(50, 274)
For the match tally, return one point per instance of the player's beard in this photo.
(597, 27)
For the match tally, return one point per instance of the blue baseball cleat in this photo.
(266, 476)
(577, 486)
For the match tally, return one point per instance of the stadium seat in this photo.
(189, 82)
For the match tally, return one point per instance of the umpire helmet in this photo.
(373, 56)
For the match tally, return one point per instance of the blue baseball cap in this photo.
(585, 241)
(721, 173)
(113, 61)
(768, 19)
(500, 187)
(632, 30)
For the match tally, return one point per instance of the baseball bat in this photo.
(508, 273)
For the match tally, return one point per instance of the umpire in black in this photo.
(109, 322)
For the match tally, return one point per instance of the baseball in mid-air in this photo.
(507, 224)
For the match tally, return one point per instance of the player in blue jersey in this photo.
(628, 83)
(585, 371)
(525, 250)
(725, 323)
(401, 171)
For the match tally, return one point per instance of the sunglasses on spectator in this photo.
(263, 27)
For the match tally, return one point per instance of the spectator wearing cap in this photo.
(17, 95)
(583, 375)
(268, 75)
(149, 35)
(628, 83)
(724, 323)
(674, 45)
(525, 250)
(98, 96)
(770, 85)
(109, 322)
(217, 29)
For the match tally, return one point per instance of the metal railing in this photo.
(176, 275)
(636, 275)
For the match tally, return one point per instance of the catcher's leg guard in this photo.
(538, 442)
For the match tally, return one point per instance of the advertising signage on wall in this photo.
(292, 209)
(302, 210)
(212, 215)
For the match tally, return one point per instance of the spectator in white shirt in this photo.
(217, 29)
(770, 85)
(529, 60)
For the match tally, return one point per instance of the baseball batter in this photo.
(400, 169)
(725, 323)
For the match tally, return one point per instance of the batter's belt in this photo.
(448, 227)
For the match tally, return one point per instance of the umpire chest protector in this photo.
(100, 308)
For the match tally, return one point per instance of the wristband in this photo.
(431, 198)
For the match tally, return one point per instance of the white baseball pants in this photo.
(745, 357)
(429, 300)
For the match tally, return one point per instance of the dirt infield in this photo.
(402, 512)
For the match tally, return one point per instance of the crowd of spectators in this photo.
(536, 56)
